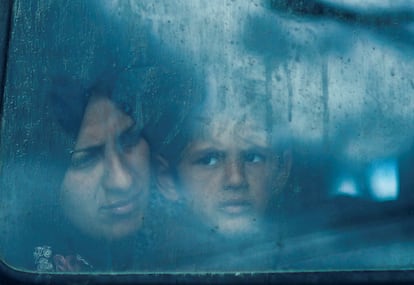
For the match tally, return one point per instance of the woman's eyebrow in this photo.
(99, 147)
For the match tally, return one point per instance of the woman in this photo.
(110, 131)
(105, 188)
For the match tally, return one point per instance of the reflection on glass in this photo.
(346, 185)
(384, 180)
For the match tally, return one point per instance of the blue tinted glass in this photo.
(220, 136)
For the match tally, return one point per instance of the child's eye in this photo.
(211, 159)
(254, 157)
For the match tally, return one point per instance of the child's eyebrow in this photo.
(257, 148)
(207, 150)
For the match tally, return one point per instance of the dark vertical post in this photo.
(6, 7)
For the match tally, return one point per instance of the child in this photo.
(225, 168)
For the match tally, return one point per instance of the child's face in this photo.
(228, 173)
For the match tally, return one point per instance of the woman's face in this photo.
(105, 190)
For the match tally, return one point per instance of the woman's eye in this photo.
(254, 157)
(84, 159)
(129, 140)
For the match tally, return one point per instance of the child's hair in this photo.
(247, 102)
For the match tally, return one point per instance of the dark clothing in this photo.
(185, 244)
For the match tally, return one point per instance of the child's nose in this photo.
(235, 176)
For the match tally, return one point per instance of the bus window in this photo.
(260, 137)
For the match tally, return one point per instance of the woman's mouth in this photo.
(121, 207)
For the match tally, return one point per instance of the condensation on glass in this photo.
(220, 136)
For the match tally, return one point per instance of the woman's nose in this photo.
(117, 175)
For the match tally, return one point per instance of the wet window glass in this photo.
(219, 136)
